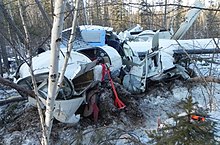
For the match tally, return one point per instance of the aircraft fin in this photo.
(190, 17)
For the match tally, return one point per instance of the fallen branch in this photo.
(204, 79)
(20, 89)
(12, 100)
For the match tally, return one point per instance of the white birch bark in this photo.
(53, 73)
(70, 44)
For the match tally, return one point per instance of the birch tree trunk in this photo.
(54, 60)
(70, 43)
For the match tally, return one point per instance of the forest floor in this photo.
(20, 123)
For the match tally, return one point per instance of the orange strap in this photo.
(196, 117)
(118, 102)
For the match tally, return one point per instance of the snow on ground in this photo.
(6, 93)
(19, 123)
(116, 127)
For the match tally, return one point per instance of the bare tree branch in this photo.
(8, 83)
(44, 13)
(12, 100)
(207, 79)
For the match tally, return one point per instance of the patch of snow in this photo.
(180, 92)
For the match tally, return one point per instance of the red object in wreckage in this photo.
(118, 102)
(198, 118)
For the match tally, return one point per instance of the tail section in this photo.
(190, 17)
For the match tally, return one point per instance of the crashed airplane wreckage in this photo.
(100, 55)
(93, 60)
(83, 72)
